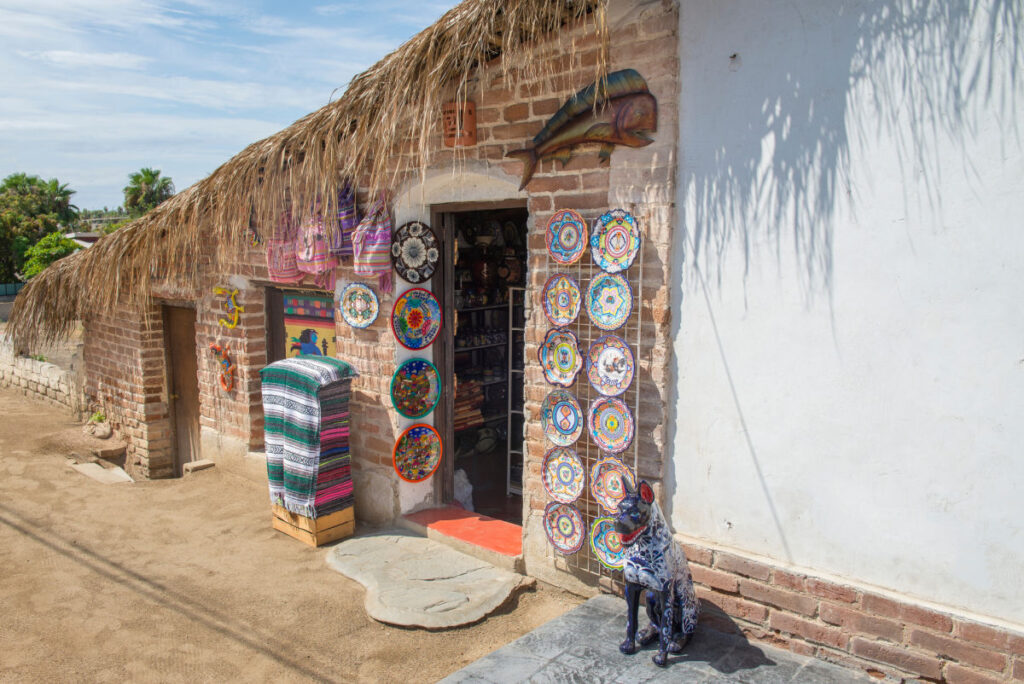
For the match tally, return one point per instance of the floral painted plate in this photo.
(564, 526)
(563, 474)
(358, 305)
(566, 236)
(606, 543)
(561, 298)
(417, 453)
(610, 365)
(615, 241)
(609, 301)
(415, 252)
(416, 318)
(560, 357)
(415, 388)
(561, 417)
(607, 478)
(611, 424)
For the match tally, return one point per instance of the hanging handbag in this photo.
(345, 223)
(371, 245)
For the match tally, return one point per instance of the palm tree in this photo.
(145, 190)
(60, 195)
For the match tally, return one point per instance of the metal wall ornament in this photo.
(563, 474)
(621, 111)
(615, 241)
(358, 305)
(560, 357)
(566, 236)
(609, 301)
(611, 424)
(417, 453)
(564, 527)
(561, 417)
(416, 318)
(606, 543)
(230, 306)
(610, 365)
(415, 252)
(561, 298)
(415, 388)
(610, 478)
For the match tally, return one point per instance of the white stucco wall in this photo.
(849, 347)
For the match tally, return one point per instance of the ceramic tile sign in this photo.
(309, 325)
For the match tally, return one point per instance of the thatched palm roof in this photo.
(395, 101)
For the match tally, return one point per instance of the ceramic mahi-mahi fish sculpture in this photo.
(626, 113)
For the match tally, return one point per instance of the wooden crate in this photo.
(315, 531)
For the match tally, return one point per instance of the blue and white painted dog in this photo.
(654, 563)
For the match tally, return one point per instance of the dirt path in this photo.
(185, 580)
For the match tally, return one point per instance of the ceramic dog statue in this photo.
(654, 564)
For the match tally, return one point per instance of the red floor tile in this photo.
(473, 528)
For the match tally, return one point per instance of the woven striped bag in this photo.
(281, 264)
(347, 220)
(371, 245)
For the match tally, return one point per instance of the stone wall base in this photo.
(852, 625)
(42, 380)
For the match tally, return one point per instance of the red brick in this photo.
(855, 621)
(902, 658)
(958, 674)
(808, 629)
(833, 592)
(546, 107)
(984, 635)
(886, 607)
(789, 580)
(734, 606)
(555, 183)
(780, 598)
(697, 554)
(957, 649)
(714, 578)
(741, 566)
(1018, 669)
(517, 112)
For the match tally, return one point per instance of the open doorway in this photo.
(482, 357)
(183, 382)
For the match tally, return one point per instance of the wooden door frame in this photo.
(172, 413)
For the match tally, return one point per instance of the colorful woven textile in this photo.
(312, 254)
(306, 431)
(281, 264)
(371, 245)
(346, 222)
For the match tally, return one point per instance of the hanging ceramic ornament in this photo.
(415, 252)
(610, 365)
(561, 299)
(611, 424)
(606, 543)
(615, 241)
(417, 453)
(563, 525)
(609, 301)
(566, 236)
(415, 388)
(560, 358)
(358, 305)
(561, 417)
(416, 318)
(563, 474)
(608, 479)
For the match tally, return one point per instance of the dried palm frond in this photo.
(390, 107)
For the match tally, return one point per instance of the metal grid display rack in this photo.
(583, 562)
(514, 447)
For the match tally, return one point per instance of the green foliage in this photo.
(146, 189)
(112, 227)
(39, 357)
(49, 249)
(97, 417)
(29, 209)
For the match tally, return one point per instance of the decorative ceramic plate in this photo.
(563, 474)
(566, 236)
(561, 298)
(611, 424)
(610, 365)
(609, 301)
(606, 482)
(415, 252)
(417, 453)
(560, 357)
(564, 527)
(606, 543)
(415, 388)
(615, 241)
(416, 318)
(358, 305)
(561, 417)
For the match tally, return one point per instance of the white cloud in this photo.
(70, 58)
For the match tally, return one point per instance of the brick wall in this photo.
(850, 625)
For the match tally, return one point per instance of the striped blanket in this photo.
(306, 431)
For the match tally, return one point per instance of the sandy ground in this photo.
(181, 580)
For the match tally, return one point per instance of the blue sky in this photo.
(91, 90)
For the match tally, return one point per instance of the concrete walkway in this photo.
(583, 646)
